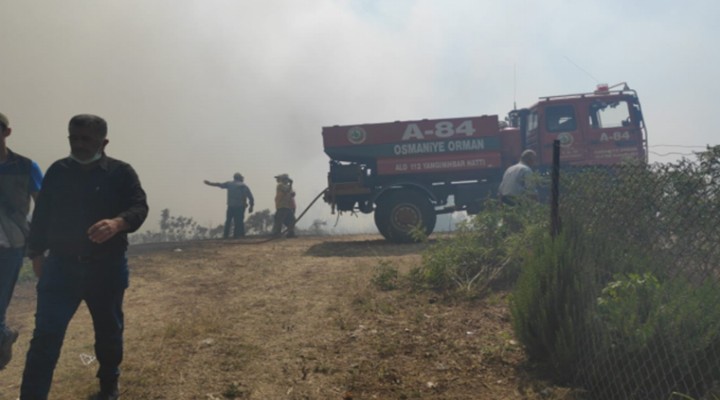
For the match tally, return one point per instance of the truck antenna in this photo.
(578, 67)
(515, 86)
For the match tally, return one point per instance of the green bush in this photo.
(551, 300)
(627, 307)
(659, 336)
(652, 329)
(385, 276)
(486, 249)
(603, 319)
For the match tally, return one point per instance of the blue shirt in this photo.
(36, 176)
(20, 177)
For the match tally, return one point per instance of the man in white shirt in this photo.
(515, 183)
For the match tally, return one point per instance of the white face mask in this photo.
(92, 159)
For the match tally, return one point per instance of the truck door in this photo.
(560, 121)
(614, 131)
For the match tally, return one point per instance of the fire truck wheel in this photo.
(381, 221)
(399, 212)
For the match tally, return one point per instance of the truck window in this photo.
(532, 121)
(609, 114)
(560, 118)
(530, 128)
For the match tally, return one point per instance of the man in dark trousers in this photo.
(238, 198)
(88, 204)
(20, 180)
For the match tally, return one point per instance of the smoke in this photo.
(197, 90)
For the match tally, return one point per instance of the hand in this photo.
(206, 182)
(250, 209)
(105, 229)
(37, 264)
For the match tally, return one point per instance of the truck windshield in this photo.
(560, 118)
(609, 114)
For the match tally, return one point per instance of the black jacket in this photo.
(73, 198)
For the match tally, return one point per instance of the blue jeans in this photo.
(63, 285)
(10, 264)
(236, 214)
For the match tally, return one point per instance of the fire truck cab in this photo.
(604, 127)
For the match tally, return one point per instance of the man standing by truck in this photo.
(515, 179)
(238, 198)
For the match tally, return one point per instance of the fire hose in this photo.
(274, 237)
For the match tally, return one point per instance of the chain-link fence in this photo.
(649, 324)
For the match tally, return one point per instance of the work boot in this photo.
(108, 391)
(6, 347)
(115, 395)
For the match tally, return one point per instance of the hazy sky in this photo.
(200, 89)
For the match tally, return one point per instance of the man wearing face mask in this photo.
(87, 205)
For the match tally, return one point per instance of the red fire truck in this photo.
(408, 172)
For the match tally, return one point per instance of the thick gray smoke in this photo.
(197, 90)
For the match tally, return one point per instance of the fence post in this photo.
(555, 191)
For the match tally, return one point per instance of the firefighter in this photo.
(239, 197)
(284, 206)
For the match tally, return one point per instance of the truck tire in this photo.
(400, 211)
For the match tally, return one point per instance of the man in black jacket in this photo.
(86, 207)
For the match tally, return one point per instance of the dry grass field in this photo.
(289, 319)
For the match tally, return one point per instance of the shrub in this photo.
(550, 303)
(604, 319)
(659, 337)
(484, 250)
(386, 276)
(175, 229)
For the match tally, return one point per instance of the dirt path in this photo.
(288, 319)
